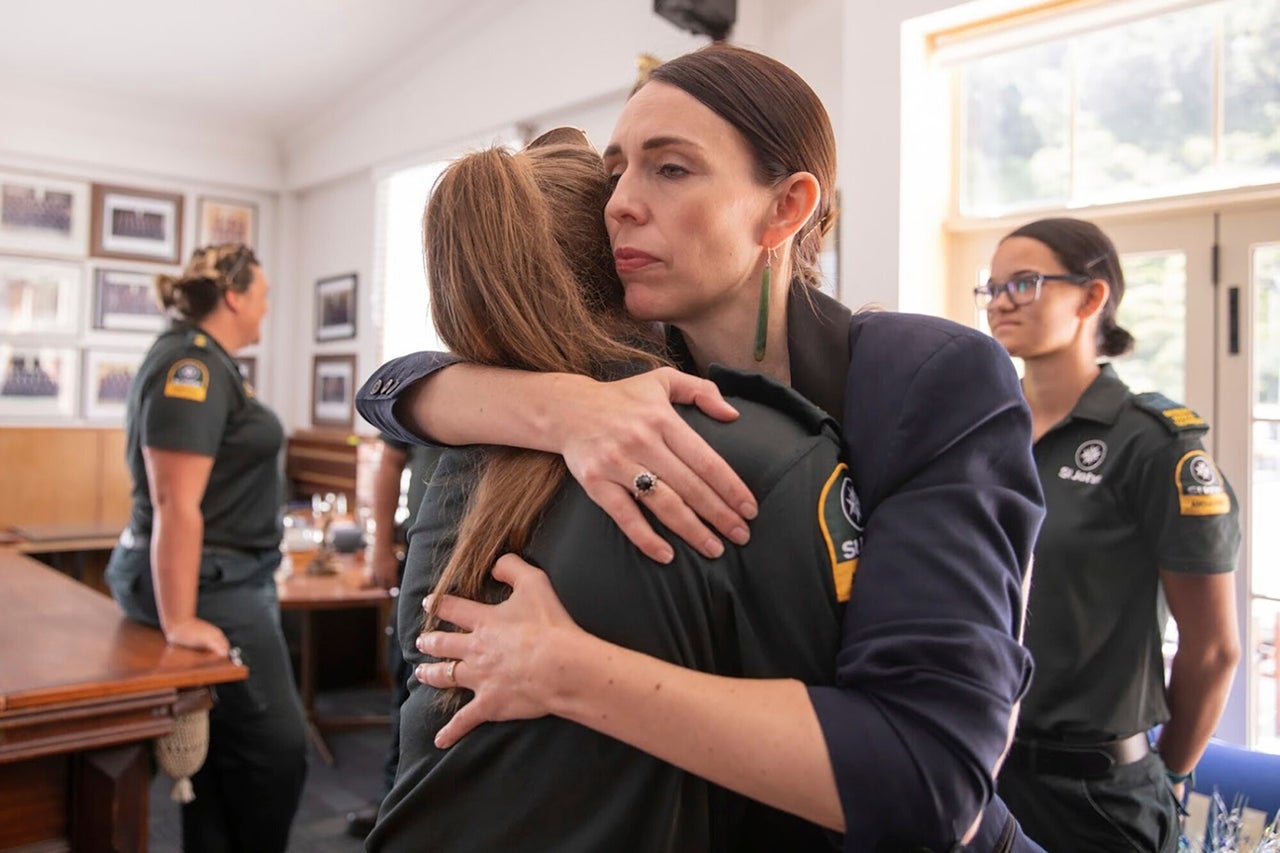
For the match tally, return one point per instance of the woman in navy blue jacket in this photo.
(723, 167)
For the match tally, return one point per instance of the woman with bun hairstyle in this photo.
(203, 542)
(1140, 525)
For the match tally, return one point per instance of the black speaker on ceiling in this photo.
(703, 17)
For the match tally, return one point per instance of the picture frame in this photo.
(43, 216)
(107, 377)
(40, 297)
(125, 301)
(136, 224)
(333, 391)
(336, 307)
(226, 221)
(248, 365)
(37, 381)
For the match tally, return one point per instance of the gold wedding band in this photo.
(450, 674)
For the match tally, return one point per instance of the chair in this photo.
(1237, 774)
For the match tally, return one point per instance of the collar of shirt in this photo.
(817, 343)
(1103, 400)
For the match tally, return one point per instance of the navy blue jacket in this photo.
(938, 441)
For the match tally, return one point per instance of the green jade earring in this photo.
(762, 316)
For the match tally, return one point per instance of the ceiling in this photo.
(273, 63)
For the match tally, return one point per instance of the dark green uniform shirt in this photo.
(768, 609)
(1129, 492)
(189, 396)
(422, 461)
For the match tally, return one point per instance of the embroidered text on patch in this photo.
(188, 379)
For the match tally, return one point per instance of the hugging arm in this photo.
(931, 668)
(602, 429)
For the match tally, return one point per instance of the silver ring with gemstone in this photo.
(644, 483)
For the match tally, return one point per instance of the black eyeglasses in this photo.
(1023, 289)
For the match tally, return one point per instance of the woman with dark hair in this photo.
(1136, 507)
(198, 558)
(520, 276)
(723, 167)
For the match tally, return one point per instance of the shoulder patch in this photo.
(840, 519)
(1200, 487)
(1176, 417)
(188, 379)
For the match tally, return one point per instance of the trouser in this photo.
(248, 790)
(1130, 808)
(401, 671)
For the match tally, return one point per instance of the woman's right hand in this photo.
(508, 654)
(615, 430)
(198, 634)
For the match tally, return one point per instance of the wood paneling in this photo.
(62, 476)
(320, 461)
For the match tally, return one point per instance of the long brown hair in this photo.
(521, 275)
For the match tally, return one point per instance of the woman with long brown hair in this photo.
(723, 169)
(521, 275)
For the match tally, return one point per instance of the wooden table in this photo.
(70, 548)
(344, 590)
(83, 691)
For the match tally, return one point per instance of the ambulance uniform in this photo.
(1130, 492)
(767, 610)
(189, 396)
(937, 436)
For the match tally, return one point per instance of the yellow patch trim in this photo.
(186, 390)
(1215, 503)
(1182, 417)
(842, 571)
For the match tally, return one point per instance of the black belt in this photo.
(134, 542)
(1077, 760)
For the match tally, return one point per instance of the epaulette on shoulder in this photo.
(1175, 417)
(198, 339)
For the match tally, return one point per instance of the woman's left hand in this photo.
(505, 653)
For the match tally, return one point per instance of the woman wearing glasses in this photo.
(203, 542)
(1134, 504)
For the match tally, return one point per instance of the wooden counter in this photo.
(82, 693)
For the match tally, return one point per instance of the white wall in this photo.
(92, 140)
(335, 236)
(81, 132)
(577, 70)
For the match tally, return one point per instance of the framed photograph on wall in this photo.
(37, 381)
(137, 225)
(248, 365)
(43, 216)
(221, 221)
(40, 297)
(333, 391)
(108, 376)
(125, 301)
(336, 307)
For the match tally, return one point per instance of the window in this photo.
(1176, 103)
(405, 308)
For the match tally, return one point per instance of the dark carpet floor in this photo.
(331, 792)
